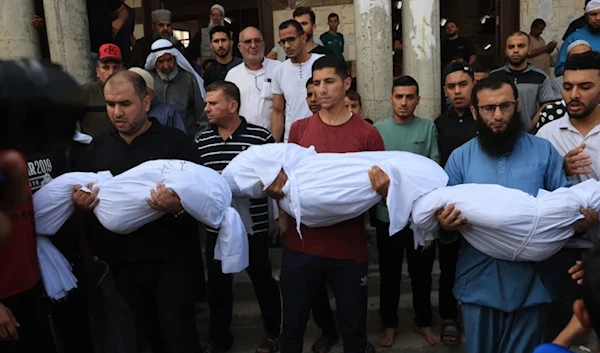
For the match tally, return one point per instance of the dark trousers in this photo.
(448, 256)
(71, 321)
(161, 298)
(302, 277)
(31, 312)
(220, 290)
(561, 309)
(322, 314)
(420, 263)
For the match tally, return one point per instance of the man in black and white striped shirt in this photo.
(228, 135)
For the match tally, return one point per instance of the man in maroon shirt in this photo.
(337, 253)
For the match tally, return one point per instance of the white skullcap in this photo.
(161, 15)
(578, 43)
(217, 6)
(145, 75)
(592, 6)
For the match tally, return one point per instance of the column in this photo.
(68, 37)
(374, 54)
(17, 38)
(421, 48)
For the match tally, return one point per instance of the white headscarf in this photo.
(162, 47)
(592, 6)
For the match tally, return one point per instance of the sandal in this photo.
(450, 333)
(270, 345)
(323, 344)
(370, 348)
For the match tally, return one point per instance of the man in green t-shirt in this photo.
(405, 132)
(332, 39)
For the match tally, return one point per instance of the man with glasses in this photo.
(504, 303)
(289, 81)
(254, 78)
(221, 43)
(534, 85)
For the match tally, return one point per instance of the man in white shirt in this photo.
(254, 78)
(577, 137)
(289, 81)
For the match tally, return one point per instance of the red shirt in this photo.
(19, 268)
(348, 239)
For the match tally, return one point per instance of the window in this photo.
(183, 36)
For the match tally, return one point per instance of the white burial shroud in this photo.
(509, 224)
(327, 188)
(123, 206)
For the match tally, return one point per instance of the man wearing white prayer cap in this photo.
(590, 33)
(176, 83)
(166, 114)
(161, 29)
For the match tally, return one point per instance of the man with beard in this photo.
(306, 17)
(504, 303)
(455, 127)
(176, 83)
(289, 90)
(533, 85)
(456, 46)
(589, 33)
(161, 29)
(576, 136)
(200, 45)
(576, 24)
(221, 43)
(254, 78)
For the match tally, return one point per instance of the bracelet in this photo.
(179, 213)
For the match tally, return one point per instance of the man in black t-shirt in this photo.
(221, 44)
(456, 48)
(102, 26)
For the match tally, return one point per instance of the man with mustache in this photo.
(533, 85)
(504, 303)
(161, 29)
(589, 33)
(221, 43)
(576, 136)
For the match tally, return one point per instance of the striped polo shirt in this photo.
(216, 153)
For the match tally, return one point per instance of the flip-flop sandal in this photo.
(270, 345)
(323, 344)
(450, 334)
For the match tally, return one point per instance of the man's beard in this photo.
(587, 111)
(211, 24)
(593, 29)
(516, 62)
(158, 35)
(168, 77)
(498, 143)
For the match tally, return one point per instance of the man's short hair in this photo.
(229, 89)
(590, 289)
(354, 96)
(492, 83)
(517, 34)
(457, 66)
(292, 23)
(331, 15)
(584, 61)
(305, 10)
(138, 83)
(334, 62)
(309, 82)
(405, 81)
(477, 67)
(449, 22)
(538, 22)
(220, 29)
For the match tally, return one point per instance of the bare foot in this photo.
(387, 338)
(430, 337)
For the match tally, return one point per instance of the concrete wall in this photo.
(346, 13)
(557, 14)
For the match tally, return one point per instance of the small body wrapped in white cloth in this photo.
(327, 188)
(57, 275)
(123, 206)
(509, 224)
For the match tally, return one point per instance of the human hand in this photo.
(8, 325)
(37, 22)
(576, 272)
(450, 219)
(162, 199)
(84, 200)
(275, 190)
(576, 161)
(589, 221)
(379, 181)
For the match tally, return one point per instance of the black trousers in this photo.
(302, 277)
(220, 290)
(31, 311)
(420, 263)
(322, 314)
(448, 256)
(161, 298)
(561, 309)
(71, 321)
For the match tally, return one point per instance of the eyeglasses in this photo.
(491, 108)
(289, 40)
(256, 41)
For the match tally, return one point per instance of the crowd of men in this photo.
(515, 126)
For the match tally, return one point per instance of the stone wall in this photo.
(557, 14)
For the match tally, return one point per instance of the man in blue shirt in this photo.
(503, 303)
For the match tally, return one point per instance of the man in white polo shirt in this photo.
(254, 78)
(289, 81)
(577, 137)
